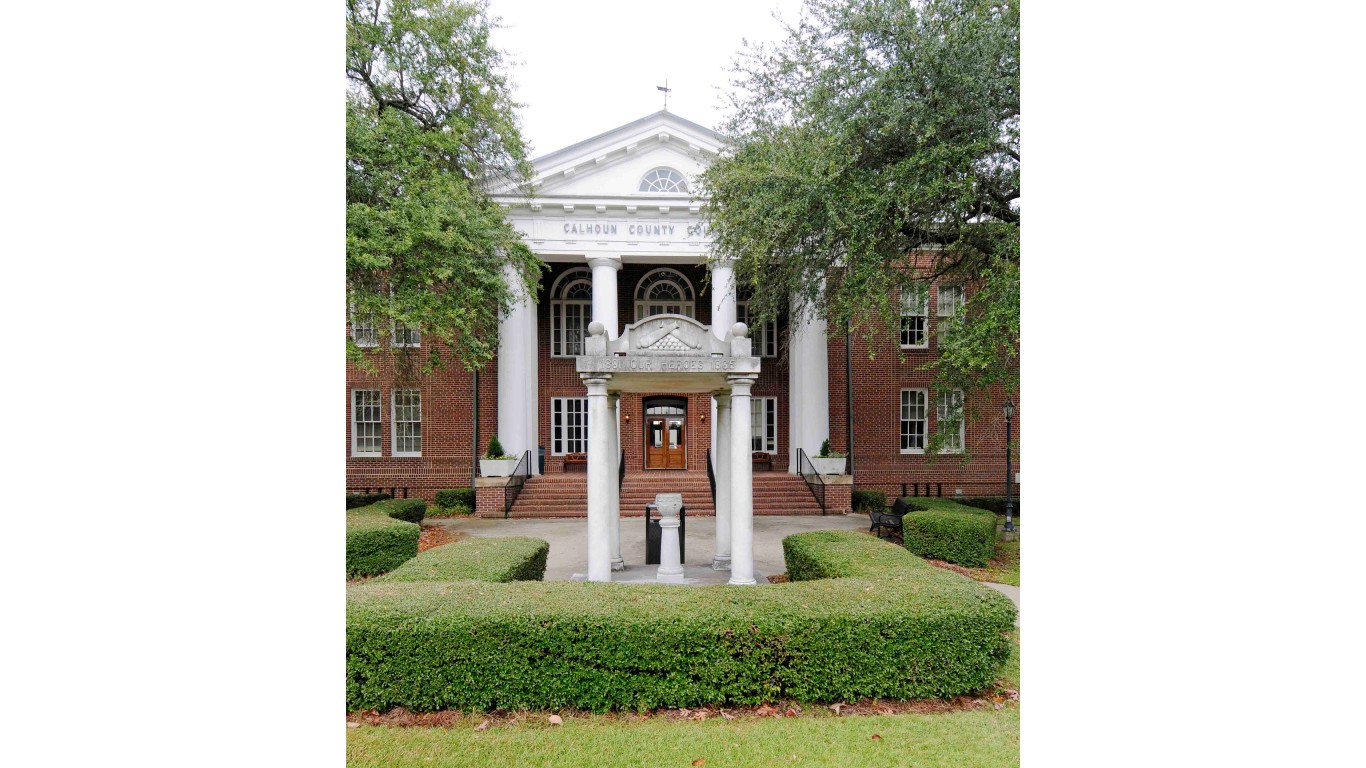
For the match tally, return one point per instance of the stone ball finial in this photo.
(739, 330)
(596, 328)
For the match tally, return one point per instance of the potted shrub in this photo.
(828, 462)
(495, 463)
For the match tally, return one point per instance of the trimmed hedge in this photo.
(996, 504)
(411, 510)
(948, 531)
(486, 559)
(883, 624)
(861, 501)
(356, 500)
(376, 543)
(456, 499)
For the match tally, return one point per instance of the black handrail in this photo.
(813, 478)
(515, 483)
(711, 478)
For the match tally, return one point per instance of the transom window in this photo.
(407, 421)
(570, 312)
(569, 425)
(664, 292)
(913, 420)
(950, 416)
(365, 437)
(914, 319)
(763, 424)
(764, 337)
(664, 180)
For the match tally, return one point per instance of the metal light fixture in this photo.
(1008, 408)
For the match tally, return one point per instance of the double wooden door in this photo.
(666, 442)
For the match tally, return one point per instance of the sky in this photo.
(584, 68)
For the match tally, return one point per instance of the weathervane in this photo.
(665, 88)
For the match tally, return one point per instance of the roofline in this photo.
(633, 124)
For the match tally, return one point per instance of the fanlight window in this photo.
(664, 292)
(664, 180)
(571, 310)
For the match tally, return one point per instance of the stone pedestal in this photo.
(670, 560)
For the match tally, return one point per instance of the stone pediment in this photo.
(667, 335)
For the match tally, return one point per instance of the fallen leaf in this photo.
(836, 708)
(886, 711)
(699, 762)
(353, 725)
(998, 706)
(791, 712)
(765, 711)
(877, 737)
(727, 716)
(484, 726)
(556, 720)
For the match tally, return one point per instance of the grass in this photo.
(459, 510)
(964, 738)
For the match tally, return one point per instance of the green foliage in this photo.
(948, 531)
(882, 623)
(376, 543)
(458, 501)
(410, 510)
(863, 501)
(354, 500)
(483, 559)
(877, 152)
(430, 129)
(495, 450)
(825, 449)
(996, 504)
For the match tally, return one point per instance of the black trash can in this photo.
(654, 534)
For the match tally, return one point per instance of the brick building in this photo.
(614, 220)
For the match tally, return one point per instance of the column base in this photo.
(735, 583)
(670, 578)
(618, 564)
(721, 563)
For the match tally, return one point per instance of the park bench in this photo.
(882, 519)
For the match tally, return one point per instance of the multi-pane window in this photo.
(913, 319)
(363, 330)
(405, 336)
(913, 420)
(950, 302)
(407, 422)
(569, 425)
(764, 338)
(365, 410)
(663, 180)
(571, 312)
(763, 424)
(664, 291)
(951, 420)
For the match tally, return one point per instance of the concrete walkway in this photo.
(568, 539)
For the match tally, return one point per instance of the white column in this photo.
(722, 317)
(517, 372)
(742, 483)
(599, 478)
(614, 524)
(605, 268)
(808, 386)
(721, 466)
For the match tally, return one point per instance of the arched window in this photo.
(664, 180)
(571, 310)
(664, 292)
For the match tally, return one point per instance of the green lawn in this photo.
(961, 739)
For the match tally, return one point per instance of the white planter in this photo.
(829, 466)
(497, 467)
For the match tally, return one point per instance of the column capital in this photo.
(596, 260)
(722, 397)
(720, 262)
(596, 383)
(740, 383)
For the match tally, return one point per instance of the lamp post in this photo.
(1009, 409)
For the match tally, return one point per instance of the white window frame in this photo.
(402, 336)
(687, 305)
(663, 181)
(941, 402)
(950, 301)
(378, 405)
(913, 306)
(764, 337)
(559, 321)
(358, 330)
(766, 429)
(394, 423)
(560, 436)
(908, 416)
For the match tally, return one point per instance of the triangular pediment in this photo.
(613, 164)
